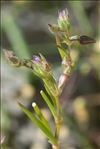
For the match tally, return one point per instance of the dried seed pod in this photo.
(12, 58)
(85, 39)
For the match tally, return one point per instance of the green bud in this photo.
(54, 28)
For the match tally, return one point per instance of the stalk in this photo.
(55, 147)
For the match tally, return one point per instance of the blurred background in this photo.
(24, 29)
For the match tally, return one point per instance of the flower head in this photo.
(36, 58)
(63, 20)
(63, 14)
(41, 67)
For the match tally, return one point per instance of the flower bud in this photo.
(63, 20)
(41, 67)
(36, 58)
(55, 29)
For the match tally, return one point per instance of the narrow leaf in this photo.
(48, 103)
(49, 92)
(41, 116)
(39, 124)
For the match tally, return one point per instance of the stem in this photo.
(62, 81)
(69, 50)
(61, 50)
(55, 147)
(58, 123)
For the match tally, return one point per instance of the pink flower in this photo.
(63, 19)
(63, 14)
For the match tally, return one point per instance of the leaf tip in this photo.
(33, 104)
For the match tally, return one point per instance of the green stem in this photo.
(58, 121)
(55, 147)
(59, 46)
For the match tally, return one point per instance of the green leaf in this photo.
(49, 91)
(63, 51)
(38, 122)
(41, 116)
(11, 28)
(48, 103)
(42, 57)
